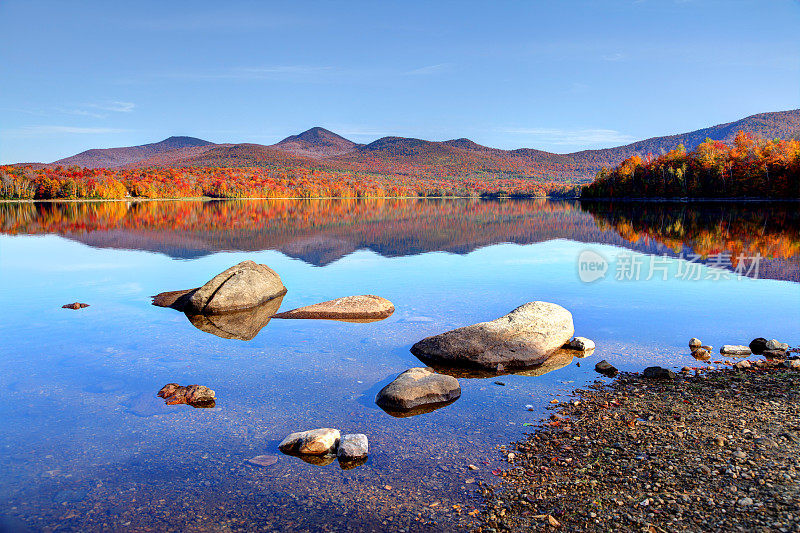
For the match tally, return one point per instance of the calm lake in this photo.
(87, 445)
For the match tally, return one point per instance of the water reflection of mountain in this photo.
(322, 231)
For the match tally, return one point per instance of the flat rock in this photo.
(352, 446)
(366, 307)
(240, 287)
(76, 305)
(321, 441)
(524, 337)
(416, 387)
(173, 299)
(733, 349)
(657, 372)
(580, 343)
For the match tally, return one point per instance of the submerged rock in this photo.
(356, 308)
(758, 345)
(263, 460)
(734, 349)
(657, 372)
(321, 441)
(417, 387)
(352, 447)
(701, 354)
(606, 368)
(76, 305)
(194, 395)
(580, 343)
(524, 337)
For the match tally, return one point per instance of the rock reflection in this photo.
(557, 360)
(239, 325)
(414, 411)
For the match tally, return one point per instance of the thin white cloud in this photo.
(35, 131)
(555, 136)
(430, 69)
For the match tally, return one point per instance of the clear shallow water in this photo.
(86, 442)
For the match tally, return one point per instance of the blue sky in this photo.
(559, 76)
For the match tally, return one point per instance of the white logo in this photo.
(591, 266)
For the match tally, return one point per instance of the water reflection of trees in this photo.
(322, 231)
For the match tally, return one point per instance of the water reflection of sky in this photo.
(77, 388)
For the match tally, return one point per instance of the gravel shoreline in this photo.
(716, 451)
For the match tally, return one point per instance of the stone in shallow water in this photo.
(524, 337)
(416, 387)
(366, 307)
(606, 368)
(194, 395)
(580, 343)
(352, 446)
(320, 441)
(694, 342)
(701, 354)
(734, 349)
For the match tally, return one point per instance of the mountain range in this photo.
(321, 148)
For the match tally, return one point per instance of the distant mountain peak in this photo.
(316, 142)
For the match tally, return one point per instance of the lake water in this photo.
(86, 445)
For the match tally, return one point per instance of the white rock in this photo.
(735, 349)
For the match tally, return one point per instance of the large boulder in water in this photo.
(524, 337)
(242, 286)
(364, 308)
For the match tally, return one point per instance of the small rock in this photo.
(321, 441)
(199, 394)
(76, 305)
(194, 395)
(686, 370)
(734, 349)
(657, 372)
(745, 502)
(473, 467)
(352, 446)
(500, 383)
(707, 347)
(694, 342)
(739, 454)
(719, 440)
(606, 368)
(701, 354)
(580, 343)
(742, 365)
